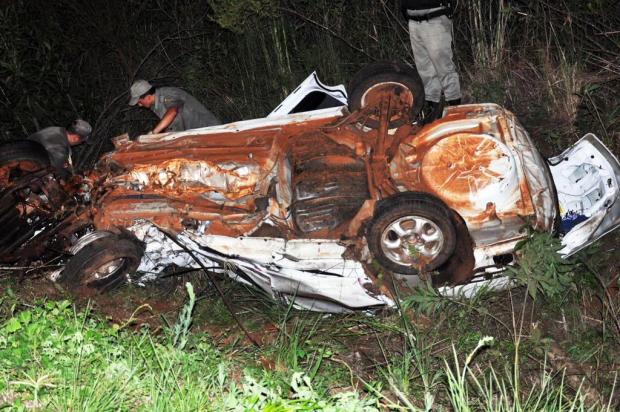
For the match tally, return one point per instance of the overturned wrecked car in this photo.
(329, 205)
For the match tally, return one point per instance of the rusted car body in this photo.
(286, 203)
(296, 192)
(315, 176)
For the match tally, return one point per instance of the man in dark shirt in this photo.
(57, 141)
(176, 109)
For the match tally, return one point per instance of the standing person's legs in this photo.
(423, 62)
(438, 41)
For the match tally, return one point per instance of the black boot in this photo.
(430, 112)
(454, 102)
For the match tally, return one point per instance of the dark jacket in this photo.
(54, 140)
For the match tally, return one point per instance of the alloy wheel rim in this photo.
(412, 241)
(106, 270)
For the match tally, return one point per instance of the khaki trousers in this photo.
(431, 42)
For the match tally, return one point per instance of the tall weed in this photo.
(184, 322)
(542, 270)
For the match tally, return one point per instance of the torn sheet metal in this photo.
(159, 253)
(312, 273)
(312, 175)
(229, 180)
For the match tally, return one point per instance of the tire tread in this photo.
(97, 253)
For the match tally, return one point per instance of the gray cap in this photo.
(82, 128)
(138, 88)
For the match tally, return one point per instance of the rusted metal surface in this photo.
(12, 170)
(310, 177)
(122, 208)
(472, 160)
(317, 176)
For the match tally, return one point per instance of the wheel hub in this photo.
(412, 240)
(105, 271)
(402, 98)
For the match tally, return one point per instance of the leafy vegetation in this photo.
(542, 270)
(54, 358)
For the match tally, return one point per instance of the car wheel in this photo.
(414, 234)
(13, 225)
(371, 83)
(20, 158)
(17, 159)
(102, 264)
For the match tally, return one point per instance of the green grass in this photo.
(54, 356)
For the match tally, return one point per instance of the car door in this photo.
(311, 94)
(586, 177)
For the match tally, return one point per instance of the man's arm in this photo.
(166, 119)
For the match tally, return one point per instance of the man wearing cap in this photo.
(57, 141)
(176, 108)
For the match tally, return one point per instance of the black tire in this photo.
(12, 226)
(423, 213)
(81, 270)
(404, 79)
(21, 157)
(460, 267)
